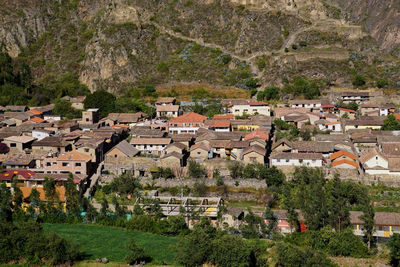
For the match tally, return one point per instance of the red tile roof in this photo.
(327, 106)
(223, 117)
(348, 110)
(257, 134)
(190, 117)
(7, 175)
(34, 112)
(37, 120)
(74, 156)
(343, 153)
(221, 124)
(258, 104)
(344, 161)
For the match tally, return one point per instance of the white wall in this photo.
(180, 129)
(377, 161)
(39, 135)
(296, 162)
(238, 110)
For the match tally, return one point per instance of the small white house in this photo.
(296, 159)
(324, 125)
(53, 117)
(150, 145)
(308, 104)
(251, 108)
(374, 162)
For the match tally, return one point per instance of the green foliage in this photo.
(394, 246)
(391, 123)
(292, 256)
(352, 105)
(64, 108)
(343, 243)
(136, 254)
(382, 83)
(27, 241)
(253, 226)
(236, 169)
(226, 59)
(102, 100)
(125, 184)
(359, 80)
(301, 86)
(269, 93)
(196, 170)
(273, 176)
(5, 203)
(281, 124)
(166, 173)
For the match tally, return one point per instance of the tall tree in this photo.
(5, 204)
(394, 246)
(338, 205)
(72, 197)
(102, 100)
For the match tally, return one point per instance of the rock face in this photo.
(380, 17)
(117, 44)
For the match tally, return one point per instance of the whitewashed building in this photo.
(296, 159)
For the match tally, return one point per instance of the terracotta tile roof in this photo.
(347, 110)
(394, 164)
(257, 134)
(190, 117)
(120, 126)
(327, 106)
(34, 112)
(225, 117)
(221, 124)
(26, 192)
(397, 116)
(391, 149)
(37, 120)
(331, 123)
(343, 153)
(150, 141)
(344, 161)
(74, 156)
(280, 112)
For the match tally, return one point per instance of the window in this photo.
(236, 110)
(65, 164)
(287, 160)
(87, 119)
(48, 164)
(78, 164)
(198, 153)
(115, 156)
(77, 172)
(86, 150)
(301, 160)
(254, 110)
(13, 145)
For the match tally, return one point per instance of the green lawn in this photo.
(101, 241)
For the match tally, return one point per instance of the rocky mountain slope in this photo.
(117, 44)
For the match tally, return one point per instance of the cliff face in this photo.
(381, 18)
(117, 44)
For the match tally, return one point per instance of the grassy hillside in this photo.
(100, 241)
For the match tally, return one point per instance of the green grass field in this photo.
(101, 241)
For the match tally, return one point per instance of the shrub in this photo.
(382, 83)
(359, 80)
(136, 254)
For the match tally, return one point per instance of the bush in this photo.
(125, 184)
(359, 80)
(196, 170)
(4, 148)
(394, 246)
(136, 254)
(382, 83)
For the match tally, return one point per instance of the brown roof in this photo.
(126, 148)
(280, 112)
(371, 153)
(150, 141)
(172, 154)
(178, 145)
(394, 164)
(288, 155)
(166, 100)
(391, 149)
(381, 218)
(224, 117)
(367, 122)
(220, 143)
(201, 146)
(18, 159)
(233, 101)
(167, 108)
(182, 137)
(20, 139)
(355, 94)
(18, 115)
(145, 131)
(52, 141)
(312, 146)
(371, 105)
(254, 148)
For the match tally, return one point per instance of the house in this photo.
(374, 124)
(76, 102)
(386, 223)
(120, 157)
(308, 104)
(363, 139)
(94, 147)
(171, 160)
(154, 146)
(68, 162)
(325, 148)
(377, 109)
(281, 112)
(165, 101)
(18, 117)
(35, 113)
(218, 148)
(90, 116)
(147, 132)
(254, 154)
(22, 177)
(129, 119)
(170, 111)
(186, 123)
(19, 161)
(280, 159)
(330, 126)
(344, 159)
(250, 108)
(37, 179)
(220, 126)
(297, 119)
(374, 162)
(51, 145)
(264, 135)
(328, 108)
(200, 151)
(16, 108)
(175, 147)
(357, 97)
(255, 122)
(223, 117)
(19, 144)
(345, 112)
